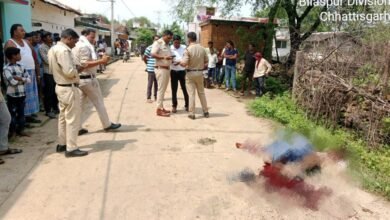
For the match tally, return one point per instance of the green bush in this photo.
(239, 79)
(386, 125)
(275, 85)
(372, 166)
(366, 75)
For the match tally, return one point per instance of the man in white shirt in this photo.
(213, 59)
(262, 69)
(84, 55)
(178, 73)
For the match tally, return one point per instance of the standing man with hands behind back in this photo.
(162, 53)
(85, 55)
(195, 59)
(66, 75)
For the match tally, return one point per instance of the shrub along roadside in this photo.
(372, 166)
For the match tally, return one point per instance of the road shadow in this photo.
(128, 128)
(107, 145)
(106, 84)
(209, 131)
(218, 115)
(200, 111)
(122, 129)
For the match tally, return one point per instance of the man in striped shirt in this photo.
(15, 77)
(150, 65)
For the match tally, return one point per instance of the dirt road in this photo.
(160, 168)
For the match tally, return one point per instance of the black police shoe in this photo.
(76, 153)
(113, 126)
(61, 148)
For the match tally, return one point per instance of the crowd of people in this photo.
(58, 72)
(178, 64)
(168, 58)
(222, 68)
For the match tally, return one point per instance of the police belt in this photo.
(162, 67)
(86, 76)
(194, 70)
(69, 85)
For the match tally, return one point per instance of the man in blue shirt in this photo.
(150, 64)
(231, 55)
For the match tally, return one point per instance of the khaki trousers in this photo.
(194, 82)
(163, 76)
(91, 89)
(69, 117)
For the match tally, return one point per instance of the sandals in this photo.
(11, 151)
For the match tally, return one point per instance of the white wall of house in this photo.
(282, 47)
(52, 18)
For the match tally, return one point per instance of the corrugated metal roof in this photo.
(61, 6)
(322, 36)
(239, 19)
(91, 25)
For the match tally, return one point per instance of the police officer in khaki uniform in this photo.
(84, 54)
(195, 59)
(66, 75)
(162, 53)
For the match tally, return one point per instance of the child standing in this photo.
(262, 68)
(213, 59)
(15, 78)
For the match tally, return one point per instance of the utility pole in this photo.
(112, 25)
(158, 20)
(112, 29)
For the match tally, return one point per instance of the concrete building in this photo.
(281, 45)
(91, 21)
(8, 11)
(52, 15)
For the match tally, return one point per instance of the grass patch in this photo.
(372, 166)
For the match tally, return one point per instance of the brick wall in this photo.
(219, 33)
(205, 34)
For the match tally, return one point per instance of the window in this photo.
(281, 44)
(36, 24)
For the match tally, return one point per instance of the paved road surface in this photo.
(158, 168)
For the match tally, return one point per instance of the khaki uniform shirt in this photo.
(81, 55)
(43, 51)
(162, 49)
(61, 64)
(195, 57)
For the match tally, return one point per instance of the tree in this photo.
(299, 18)
(175, 28)
(303, 20)
(145, 36)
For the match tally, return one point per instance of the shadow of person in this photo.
(108, 145)
(127, 128)
(218, 115)
(122, 129)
